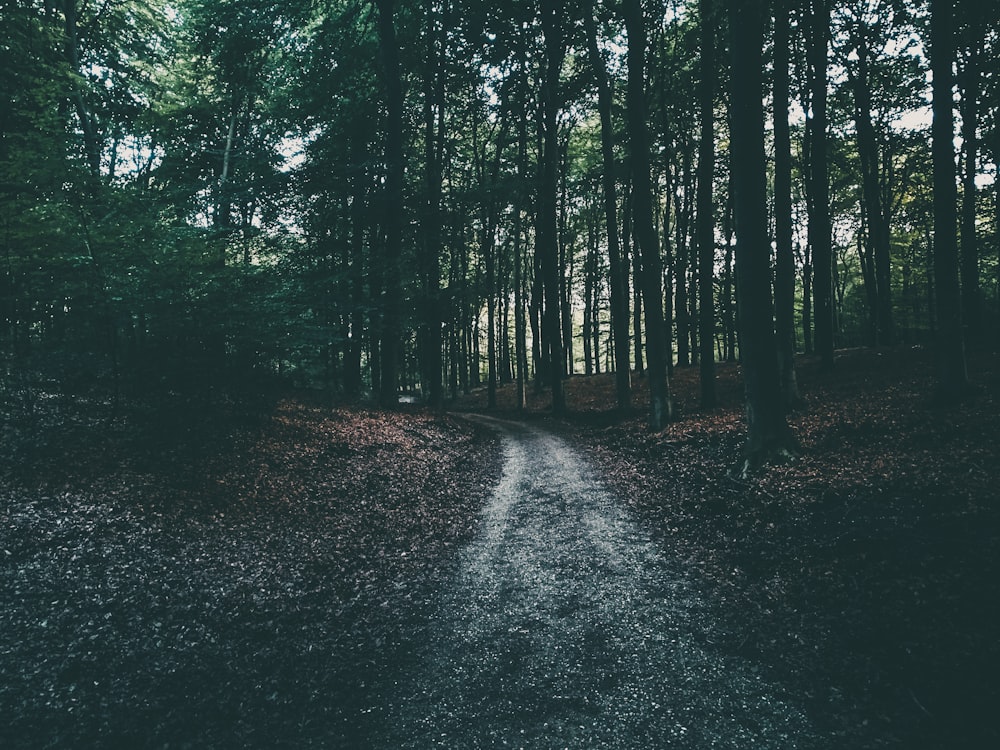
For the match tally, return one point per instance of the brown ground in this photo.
(869, 569)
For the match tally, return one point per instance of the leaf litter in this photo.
(241, 591)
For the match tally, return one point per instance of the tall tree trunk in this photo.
(619, 286)
(588, 295)
(820, 230)
(538, 356)
(565, 260)
(866, 258)
(690, 178)
(669, 281)
(630, 251)
(434, 142)
(489, 252)
(728, 305)
(352, 363)
(392, 292)
(520, 327)
(660, 403)
(952, 373)
(547, 241)
(784, 265)
(876, 214)
(680, 268)
(706, 222)
(521, 201)
(768, 435)
(971, 298)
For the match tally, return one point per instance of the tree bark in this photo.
(876, 214)
(784, 270)
(952, 373)
(706, 222)
(434, 142)
(971, 298)
(820, 231)
(768, 435)
(660, 403)
(681, 315)
(352, 355)
(392, 292)
(547, 242)
(619, 287)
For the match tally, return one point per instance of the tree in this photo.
(820, 231)
(434, 145)
(969, 79)
(619, 287)
(768, 434)
(392, 292)
(547, 237)
(952, 373)
(660, 402)
(706, 212)
(784, 266)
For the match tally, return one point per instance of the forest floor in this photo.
(220, 575)
(867, 572)
(226, 575)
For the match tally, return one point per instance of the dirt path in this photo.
(566, 626)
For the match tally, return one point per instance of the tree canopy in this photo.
(372, 198)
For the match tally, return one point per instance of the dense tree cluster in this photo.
(429, 196)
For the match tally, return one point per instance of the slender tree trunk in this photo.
(547, 242)
(728, 306)
(866, 256)
(392, 292)
(489, 251)
(374, 338)
(619, 286)
(352, 364)
(768, 435)
(784, 270)
(669, 282)
(503, 335)
(660, 403)
(588, 297)
(876, 218)
(693, 264)
(434, 143)
(706, 219)
(520, 203)
(538, 357)
(520, 327)
(971, 304)
(820, 231)
(565, 261)
(680, 273)
(952, 374)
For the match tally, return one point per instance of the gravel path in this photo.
(567, 626)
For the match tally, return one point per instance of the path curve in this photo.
(566, 626)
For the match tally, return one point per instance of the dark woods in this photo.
(427, 197)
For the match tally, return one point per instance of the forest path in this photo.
(565, 625)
